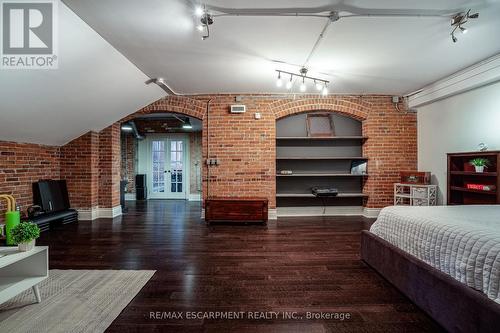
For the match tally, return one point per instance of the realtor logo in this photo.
(29, 34)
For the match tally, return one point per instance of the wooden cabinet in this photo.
(468, 187)
(236, 210)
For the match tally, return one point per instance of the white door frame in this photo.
(148, 165)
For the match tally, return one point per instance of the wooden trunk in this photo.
(236, 210)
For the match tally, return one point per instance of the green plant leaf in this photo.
(25, 232)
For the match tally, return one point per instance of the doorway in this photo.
(166, 150)
(166, 161)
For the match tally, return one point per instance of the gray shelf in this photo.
(319, 158)
(322, 137)
(310, 195)
(318, 162)
(321, 175)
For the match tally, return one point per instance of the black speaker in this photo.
(140, 181)
(141, 193)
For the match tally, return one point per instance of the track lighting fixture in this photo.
(198, 11)
(324, 92)
(458, 21)
(187, 124)
(206, 19)
(279, 82)
(320, 84)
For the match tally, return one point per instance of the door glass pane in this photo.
(176, 165)
(158, 161)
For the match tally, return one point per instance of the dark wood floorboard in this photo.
(292, 265)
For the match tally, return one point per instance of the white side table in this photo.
(22, 270)
(415, 195)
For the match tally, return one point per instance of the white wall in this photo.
(457, 124)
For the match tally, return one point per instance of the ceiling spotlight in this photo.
(127, 128)
(324, 92)
(458, 21)
(279, 82)
(303, 86)
(187, 124)
(319, 86)
(289, 83)
(198, 11)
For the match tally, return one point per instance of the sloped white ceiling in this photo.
(360, 55)
(94, 86)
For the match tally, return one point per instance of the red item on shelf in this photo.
(481, 187)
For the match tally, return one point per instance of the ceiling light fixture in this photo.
(198, 11)
(320, 84)
(206, 19)
(458, 21)
(127, 128)
(187, 124)
(279, 82)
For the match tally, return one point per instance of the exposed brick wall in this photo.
(246, 149)
(21, 164)
(80, 167)
(128, 160)
(244, 146)
(109, 166)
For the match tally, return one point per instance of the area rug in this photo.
(73, 301)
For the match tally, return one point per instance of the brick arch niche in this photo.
(171, 104)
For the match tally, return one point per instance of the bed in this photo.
(446, 259)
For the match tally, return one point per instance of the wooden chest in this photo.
(236, 210)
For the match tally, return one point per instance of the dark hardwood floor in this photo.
(291, 266)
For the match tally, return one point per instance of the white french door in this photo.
(168, 171)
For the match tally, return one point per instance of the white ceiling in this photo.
(93, 87)
(360, 55)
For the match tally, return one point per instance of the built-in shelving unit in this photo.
(318, 162)
(462, 176)
(322, 175)
(320, 158)
(331, 138)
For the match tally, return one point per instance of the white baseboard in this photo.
(328, 211)
(371, 212)
(97, 212)
(194, 197)
(88, 214)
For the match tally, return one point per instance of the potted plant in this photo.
(25, 234)
(479, 163)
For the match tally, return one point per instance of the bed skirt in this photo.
(455, 306)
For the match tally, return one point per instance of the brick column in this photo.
(79, 167)
(109, 168)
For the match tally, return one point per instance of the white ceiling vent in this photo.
(240, 108)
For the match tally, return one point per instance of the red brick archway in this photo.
(352, 107)
(176, 104)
